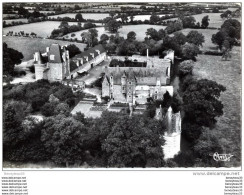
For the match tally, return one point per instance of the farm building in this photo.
(56, 65)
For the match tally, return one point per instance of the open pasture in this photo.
(29, 45)
(139, 29)
(227, 73)
(42, 29)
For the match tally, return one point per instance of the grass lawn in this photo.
(29, 45)
(42, 29)
(227, 73)
(207, 33)
(139, 29)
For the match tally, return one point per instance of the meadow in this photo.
(215, 19)
(96, 16)
(143, 17)
(139, 29)
(30, 45)
(227, 73)
(207, 33)
(42, 29)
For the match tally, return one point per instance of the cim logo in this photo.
(221, 157)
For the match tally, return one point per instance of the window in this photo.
(123, 88)
(52, 57)
(129, 83)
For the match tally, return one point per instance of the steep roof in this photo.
(143, 76)
(86, 55)
(99, 47)
(55, 50)
(38, 58)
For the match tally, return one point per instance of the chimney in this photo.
(117, 69)
(106, 69)
(47, 49)
(147, 53)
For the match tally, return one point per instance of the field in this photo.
(207, 33)
(29, 45)
(139, 29)
(215, 19)
(143, 17)
(42, 29)
(92, 16)
(227, 73)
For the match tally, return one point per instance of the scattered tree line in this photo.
(228, 36)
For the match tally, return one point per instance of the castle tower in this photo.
(123, 83)
(39, 66)
(173, 134)
(159, 113)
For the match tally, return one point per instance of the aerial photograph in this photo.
(120, 85)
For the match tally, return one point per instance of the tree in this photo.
(189, 51)
(112, 26)
(154, 18)
(232, 27)
(174, 26)
(48, 109)
(124, 18)
(62, 108)
(219, 38)
(77, 7)
(22, 11)
(86, 36)
(162, 34)
(205, 22)
(73, 50)
(226, 50)
(133, 142)
(230, 31)
(226, 14)
(188, 22)
(185, 68)
(11, 57)
(104, 38)
(94, 34)
(62, 138)
(195, 37)
(180, 38)
(79, 17)
(89, 25)
(131, 36)
(142, 48)
(11, 127)
(63, 25)
(152, 33)
(206, 145)
(215, 10)
(201, 102)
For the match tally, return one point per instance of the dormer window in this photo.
(98, 51)
(92, 54)
(86, 58)
(52, 57)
